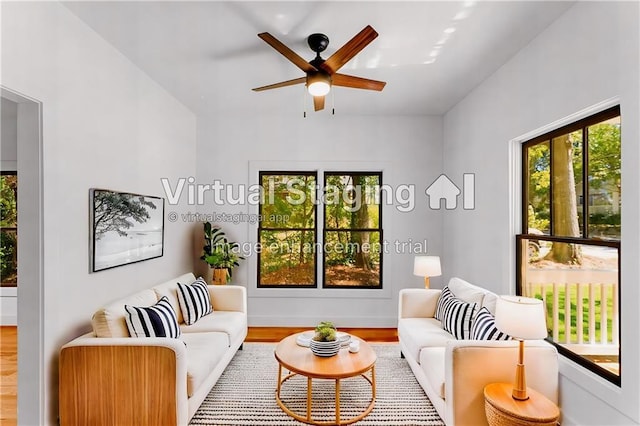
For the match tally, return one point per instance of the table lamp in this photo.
(427, 266)
(522, 318)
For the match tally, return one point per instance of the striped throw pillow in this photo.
(458, 318)
(194, 300)
(158, 320)
(484, 327)
(444, 297)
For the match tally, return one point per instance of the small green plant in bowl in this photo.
(325, 341)
(325, 332)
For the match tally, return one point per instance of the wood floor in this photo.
(275, 334)
(9, 357)
(8, 375)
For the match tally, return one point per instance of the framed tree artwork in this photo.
(125, 228)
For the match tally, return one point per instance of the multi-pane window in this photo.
(352, 230)
(287, 230)
(9, 229)
(569, 249)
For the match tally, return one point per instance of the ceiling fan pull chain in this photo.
(304, 103)
(333, 102)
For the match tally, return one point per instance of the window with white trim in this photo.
(569, 251)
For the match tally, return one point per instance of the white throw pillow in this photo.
(466, 291)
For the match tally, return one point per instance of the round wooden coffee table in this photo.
(301, 361)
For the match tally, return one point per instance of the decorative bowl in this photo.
(324, 348)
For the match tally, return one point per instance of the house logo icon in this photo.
(443, 188)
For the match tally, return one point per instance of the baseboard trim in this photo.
(9, 320)
(275, 334)
(378, 321)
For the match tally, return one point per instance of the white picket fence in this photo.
(589, 286)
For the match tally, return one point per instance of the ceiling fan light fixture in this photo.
(318, 84)
(321, 74)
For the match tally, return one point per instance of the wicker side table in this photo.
(503, 410)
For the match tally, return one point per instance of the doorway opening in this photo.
(29, 286)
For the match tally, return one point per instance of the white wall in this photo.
(8, 162)
(589, 55)
(407, 149)
(105, 124)
(9, 136)
(8, 306)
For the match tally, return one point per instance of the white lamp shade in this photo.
(427, 266)
(521, 317)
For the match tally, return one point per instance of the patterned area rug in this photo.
(245, 394)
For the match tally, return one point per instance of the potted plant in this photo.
(325, 341)
(219, 253)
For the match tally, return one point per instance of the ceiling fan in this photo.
(321, 73)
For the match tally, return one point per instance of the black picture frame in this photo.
(125, 228)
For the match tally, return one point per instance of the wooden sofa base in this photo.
(117, 385)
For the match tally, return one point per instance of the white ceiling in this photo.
(207, 53)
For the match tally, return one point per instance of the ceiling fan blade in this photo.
(349, 50)
(287, 53)
(356, 82)
(318, 103)
(281, 84)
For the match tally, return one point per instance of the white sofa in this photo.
(110, 378)
(453, 373)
